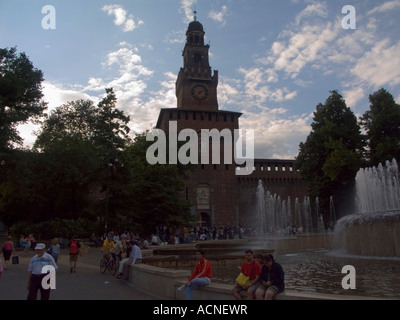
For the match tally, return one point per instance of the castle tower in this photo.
(212, 188)
(196, 88)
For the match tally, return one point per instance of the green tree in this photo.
(74, 120)
(332, 154)
(68, 174)
(111, 130)
(382, 126)
(156, 190)
(20, 95)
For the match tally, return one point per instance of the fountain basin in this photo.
(231, 252)
(370, 234)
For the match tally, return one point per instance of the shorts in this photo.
(73, 257)
(272, 288)
(7, 254)
(252, 287)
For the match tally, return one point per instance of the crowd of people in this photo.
(262, 282)
(265, 279)
(125, 248)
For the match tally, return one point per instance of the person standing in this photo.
(201, 275)
(271, 279)
(35, 275)
(74, 246)
(252, 269)
(54, 249)
(8, 249)
(32, 241)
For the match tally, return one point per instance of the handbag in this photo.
(15, 260)
(243, 280)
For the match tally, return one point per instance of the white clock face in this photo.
(199, 92)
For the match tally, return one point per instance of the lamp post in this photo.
(110, 166)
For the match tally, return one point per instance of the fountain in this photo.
(307, 257)
(285, 228)
(375, 229)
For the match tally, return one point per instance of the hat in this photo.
(40, 246)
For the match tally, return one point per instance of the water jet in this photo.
(374, 230)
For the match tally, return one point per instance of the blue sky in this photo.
(276, 59)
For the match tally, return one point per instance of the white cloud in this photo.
(307, 46)
(187, 6)
(380, 65)
(219, 16)
(385, 7)
(121, 17)
(318, 9)
(352, 96)
(274, 136)
(228, 93)
(255, 80)
(55, 95)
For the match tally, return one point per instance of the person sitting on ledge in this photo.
(271, 279)
(201, 275)
(250, 268)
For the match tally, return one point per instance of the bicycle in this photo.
(109, 263)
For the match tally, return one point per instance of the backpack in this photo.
(73, 247)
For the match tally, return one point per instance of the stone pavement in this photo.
(88, 283)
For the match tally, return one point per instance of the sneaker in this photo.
(181, 288)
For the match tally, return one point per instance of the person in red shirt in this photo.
(251, 268)
(201, 275)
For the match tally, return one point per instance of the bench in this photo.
(219, 291)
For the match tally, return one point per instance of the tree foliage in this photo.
(157, 190)
(382, 126)
(84, 164)
(20, 95)
(332, 154)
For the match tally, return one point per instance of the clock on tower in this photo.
(196, 86)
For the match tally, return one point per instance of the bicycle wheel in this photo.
(113, 267)
(103, 265)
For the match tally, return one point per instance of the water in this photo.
(320, 272)
(377, 188)
(374, 228)
(278, 216)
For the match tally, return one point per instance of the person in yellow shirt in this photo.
(108, 246)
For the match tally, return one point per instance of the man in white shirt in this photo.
(135, 257)
(35, 275)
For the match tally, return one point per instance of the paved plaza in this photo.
(88, 283)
